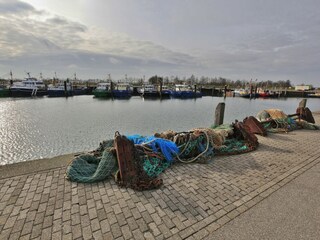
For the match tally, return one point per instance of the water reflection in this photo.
(46, 127)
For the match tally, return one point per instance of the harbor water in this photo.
(33, 128)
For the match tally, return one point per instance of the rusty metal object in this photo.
(242, 131)
(125, 154)
(254, 126)
(131, 172)
(305, 114)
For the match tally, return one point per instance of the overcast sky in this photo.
(237, 39)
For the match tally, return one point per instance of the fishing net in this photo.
(153, 166)
(158, 145)
(89, 168)
(233, 146)
(275, 120)
(276, 114)
(136, 161)
(306, 125)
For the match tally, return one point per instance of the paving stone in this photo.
(116, 231)
(36, 231)
(95, 225)
(87, 233)
(76, 231)
(195, 199)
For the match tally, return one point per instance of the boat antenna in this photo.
(40, 75)
(75, 76)
(109, 76)
(28, 73)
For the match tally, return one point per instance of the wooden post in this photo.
(219, 114)
(65, 89)
(160, 93)
(111, 88)
(195, 91)
(251, 91)
(225, 91)
(303, 103)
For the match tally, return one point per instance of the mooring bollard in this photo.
(219, 114)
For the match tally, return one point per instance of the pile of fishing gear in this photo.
(136, 161)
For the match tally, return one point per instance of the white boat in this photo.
(150, 91)
(28, 88)
(61, 89)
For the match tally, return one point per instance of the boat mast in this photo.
(11, 78)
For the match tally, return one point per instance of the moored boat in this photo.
(245, 93)
(4, 91)
(122, 90)
(61, 89)
(268, 94)
(314, 95)
(165, 92)
(150, 91)
(28, 88)
(184, 91)
(103, 90)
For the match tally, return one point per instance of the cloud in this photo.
(253, 39)
(28, 38)
(15, 7)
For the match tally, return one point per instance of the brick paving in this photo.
(195, 200)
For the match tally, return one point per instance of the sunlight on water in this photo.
(46, 127)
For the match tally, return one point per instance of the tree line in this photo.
(220, 82)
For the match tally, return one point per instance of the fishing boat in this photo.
(150, 91)
(28, 88)
(60, 89)
(4, 91)
(268, 94)
(4, 88)
(314, 95)
(103, 90)
(122, 90)
(184, 91)
(80, 90)
(165, 92)
(239, 92)
(245, 93)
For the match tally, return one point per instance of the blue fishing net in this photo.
(158, 145)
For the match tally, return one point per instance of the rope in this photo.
(191, 160)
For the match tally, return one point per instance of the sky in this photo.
(236, 39)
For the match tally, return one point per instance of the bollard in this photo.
(219, 114)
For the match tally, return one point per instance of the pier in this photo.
(197, 201)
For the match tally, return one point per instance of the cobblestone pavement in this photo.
(195, 200)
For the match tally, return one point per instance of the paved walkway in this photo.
(291, 213)
(194, 202)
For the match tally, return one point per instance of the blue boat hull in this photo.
(121, 94)
(185, 94)
(27, 93)
(59, 93)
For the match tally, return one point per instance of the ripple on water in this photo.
(46, 127)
